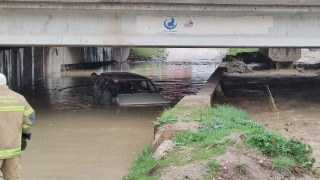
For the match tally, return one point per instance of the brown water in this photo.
(76, 139)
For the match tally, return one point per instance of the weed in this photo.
(141, 167)
(235, 51)
(181, 103)
(150, 52)
(167, 116)
(175, 157)
(198, 154)
(197, 117)
(240, 146)
(284, 164)
(276, 145)
(241, 168)
(214, 164)
(229, 141)
(186, 119)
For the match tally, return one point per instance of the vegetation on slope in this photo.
(150, 52)
(209, 141)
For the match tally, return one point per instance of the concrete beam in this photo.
(208, 2)
(142, 24)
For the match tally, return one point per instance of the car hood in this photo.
(142, 99)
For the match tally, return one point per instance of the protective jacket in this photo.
(14, 119)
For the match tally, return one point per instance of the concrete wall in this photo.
(26, 65)
(23, 66)
(98, 54)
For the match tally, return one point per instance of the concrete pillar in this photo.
(97, 54)
(1, 61)
(52, 60)
(121, 54)
(26, 74)
(284, 57)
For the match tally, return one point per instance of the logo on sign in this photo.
(170, 25)
(189, 24)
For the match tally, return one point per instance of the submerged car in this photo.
(132, 89)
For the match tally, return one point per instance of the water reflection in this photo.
(72, 90)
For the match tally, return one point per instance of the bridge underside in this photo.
(151, 25)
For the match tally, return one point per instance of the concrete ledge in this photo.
(118, 40)
(208, 2)
(183, 109)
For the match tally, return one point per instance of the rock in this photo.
(238, 67)
(163, 149)
(255, 60)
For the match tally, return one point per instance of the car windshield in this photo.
(132, 87)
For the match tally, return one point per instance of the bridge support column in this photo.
(121, 54)
(285, 57)
(68, 57)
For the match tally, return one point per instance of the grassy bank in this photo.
(286, 155)
(235, 51)
(150, 52)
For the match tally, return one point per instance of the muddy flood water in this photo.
(75, 139)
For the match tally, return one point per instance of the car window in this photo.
(138, 87)
(151, 86)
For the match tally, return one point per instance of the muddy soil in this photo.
(238, 163)
(299, 116)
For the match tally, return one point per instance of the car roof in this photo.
(124, 76)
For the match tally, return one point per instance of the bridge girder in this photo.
(146, 24)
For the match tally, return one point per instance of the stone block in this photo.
(285, 54)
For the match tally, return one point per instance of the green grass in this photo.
(142, 166)
(167, 116)
(150, 52)
(241, 168)
(284, 164)
(209, 141)
(235, 51)
(213, 167)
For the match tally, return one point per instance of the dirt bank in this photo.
(299, 116)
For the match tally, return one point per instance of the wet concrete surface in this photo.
(76, 139)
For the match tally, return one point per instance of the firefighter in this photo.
(16, 119)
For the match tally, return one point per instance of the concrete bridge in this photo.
(166, 23)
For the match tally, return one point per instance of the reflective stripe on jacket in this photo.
(14, 119)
